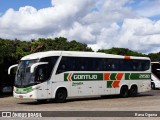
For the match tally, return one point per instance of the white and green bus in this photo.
(66, 74)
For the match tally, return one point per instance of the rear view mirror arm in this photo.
(37, 64)
(9, 69)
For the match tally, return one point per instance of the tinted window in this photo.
(49, 67)
(155, 70)
(80, 64)
(127, 65)
(101, 64)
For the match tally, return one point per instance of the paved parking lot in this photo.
(149, 101)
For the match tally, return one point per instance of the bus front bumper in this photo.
(29, 95)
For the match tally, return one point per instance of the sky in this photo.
(101, 24)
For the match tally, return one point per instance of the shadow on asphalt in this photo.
(3, 95)
(85, 99)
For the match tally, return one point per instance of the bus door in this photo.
(83, 88)
(79, 88)
(44, 88)
(93, 87)
(102, 88)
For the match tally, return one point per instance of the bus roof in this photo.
(40, 55)
(158, 62)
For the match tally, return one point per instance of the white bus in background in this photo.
(64, 74)
(155, 77)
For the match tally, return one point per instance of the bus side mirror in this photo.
(37, 64)
(9, 69)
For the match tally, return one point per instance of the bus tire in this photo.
(133, 91)
(61, 95)
(124, 92)
(153, 86)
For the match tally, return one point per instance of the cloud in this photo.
(43, 22)
(143, 34)
(98, 23)
(139, 34)
(147, 8)
(80, 32)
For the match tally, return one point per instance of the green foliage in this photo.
(121, 51)
(57, 44)
(16, 49)
(154, 56)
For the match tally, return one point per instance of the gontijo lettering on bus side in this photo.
(82, 76)
(113, 79)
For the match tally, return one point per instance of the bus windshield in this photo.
(25, 78)
(156, 70)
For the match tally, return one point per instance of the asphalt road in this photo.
(149, 101)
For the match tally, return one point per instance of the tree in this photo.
(60, 43)
(121, 51)
(154, 56)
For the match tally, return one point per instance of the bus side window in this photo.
(110, 66)
(145, 65)
(128, 65)
(51, 63)
(41, 73)
(61, 68)
(62, 65)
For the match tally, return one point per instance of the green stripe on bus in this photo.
(109, 84)
(127, 76)
(83, 76)
(137, 76)
(24, 89)
(66, 76)
(87, 76)
(113, 76)
(100, 76)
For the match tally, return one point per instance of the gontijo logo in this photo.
(83, 76)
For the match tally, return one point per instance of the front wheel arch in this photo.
(61, 95)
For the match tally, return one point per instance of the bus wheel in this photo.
(133, 91)
(124, 92)
(153, 86)
(61, 96)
